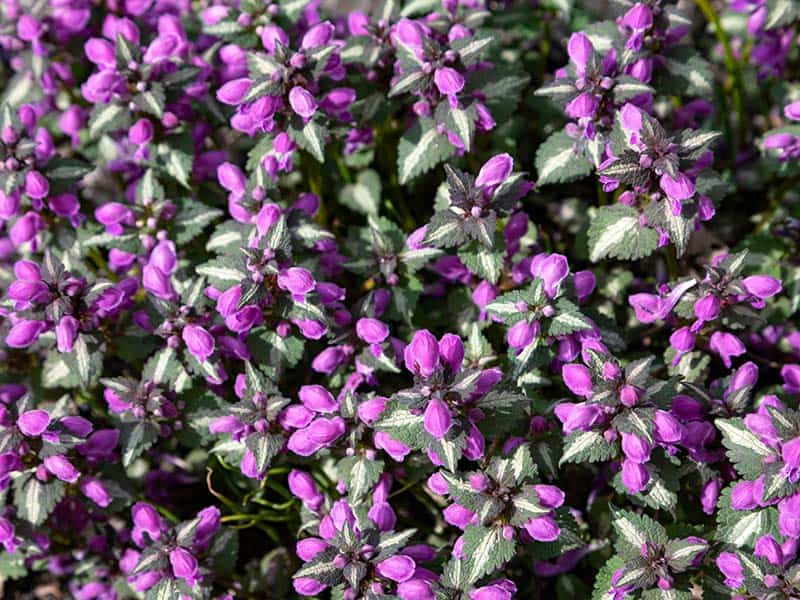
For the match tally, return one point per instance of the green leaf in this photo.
(265, 447)
(108, 117)
(67, 169)
(178, 164)
(615, 232)
(420, 149)
(635, 530)
(586, 446)
(165, 368)
(151, 101)
(310, 137)
(485, 550)
(362, 476)
(225, 550)
(472, 49)
(745, 450)
(363, 196)
(34, 499)
(192, 219)
(135, 439)
(557, 162)
(602, 583)
(627, 87)
(484, 262)
(781, 12)
(166, 589)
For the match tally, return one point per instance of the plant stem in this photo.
(733, 67)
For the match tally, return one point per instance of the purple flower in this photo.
(66, 333)
(296, 280)
(448, 81)
(762, 286)
(371, 331)
(726, 345)
(422, 354)
(580, 50)
(24, 333)
(199, 342)
(61, 468)
(437, 419)
(495, 171)
(318, 399)
(578, 379)
(791, 378)
(634, 476)
(234, 92)
(302, 102)
(184, 565)
(543, 529)
(731, 568)
(33, 422)
(398, 568)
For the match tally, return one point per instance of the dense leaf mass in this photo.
(400, 299)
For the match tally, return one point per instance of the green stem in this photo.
(733, 67)
(672, 263)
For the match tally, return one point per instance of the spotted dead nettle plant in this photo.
(404, 300)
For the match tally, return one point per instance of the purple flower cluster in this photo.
(379, 304)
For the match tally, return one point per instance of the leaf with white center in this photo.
(694, 140)
(412, 81)
(745, 450)
(107, 117)
(260, 64)
(363, 196)
(392, 541)
(321, 568)
(35, 500)
(682, 553)
(293, 9)
(83, 360)
(166, 589)
(221, 273)
(472, 49)
(135, 438)
(746, 529)
(615, 232)
(192, 219)
(526, 508)
(485, 550)
(462, 122)
(178, 164)
(364, 474)
(445, 230)
(559, 90)
(557, 162)
(310, 137)
(781, 12)
(264, 447)
(586, 446)
(568, 320)
(627, 87)
(420, 149)
(151, 101)
(522, 465)
(160, 365)
(485, 263)
(635, 530)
